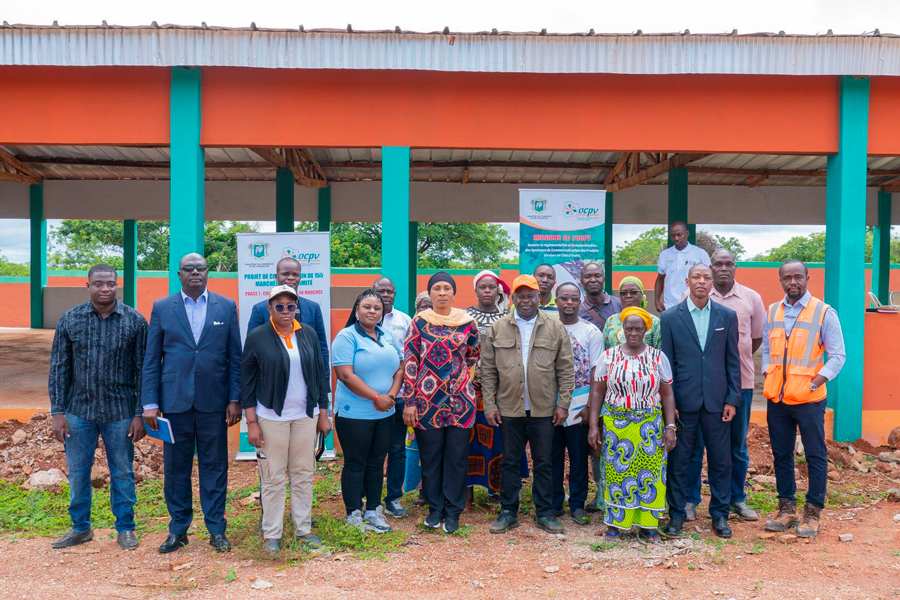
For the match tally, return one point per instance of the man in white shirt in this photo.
(587, 347)
(673, 266)
(397, 323)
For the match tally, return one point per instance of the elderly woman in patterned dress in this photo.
(633, 389)
(440, 349)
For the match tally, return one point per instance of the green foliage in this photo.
(603, 546)
(811, 248)
(645, 249)
(11, 269)
(78, 245)
(440, 245)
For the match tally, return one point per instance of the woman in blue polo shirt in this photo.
(367, 365)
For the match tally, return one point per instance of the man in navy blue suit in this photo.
(700, 339)
(287, 272)
(192, 373)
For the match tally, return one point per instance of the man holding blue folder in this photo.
(192, 373)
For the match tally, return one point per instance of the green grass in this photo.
(603, 546)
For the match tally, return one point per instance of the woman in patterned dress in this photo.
(485, 450)
(633, 389)
(631, 293)
(441, 347)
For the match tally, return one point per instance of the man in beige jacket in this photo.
(527, 376)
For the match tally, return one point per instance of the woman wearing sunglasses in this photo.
(285, 398)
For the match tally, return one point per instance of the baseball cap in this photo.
(526, 281)
(283, 289)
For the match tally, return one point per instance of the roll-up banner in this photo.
(563, 228)
(258, 253)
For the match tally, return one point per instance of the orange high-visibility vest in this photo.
(794, 360)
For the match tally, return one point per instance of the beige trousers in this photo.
(288, 447)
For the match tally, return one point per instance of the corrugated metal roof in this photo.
(656, 54)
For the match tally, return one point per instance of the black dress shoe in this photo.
(721, 528)
(173, 543)
(220, 543)
(672, 529)
(73, 538)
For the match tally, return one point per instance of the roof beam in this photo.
(12, 169)
(307, 172)
(676, 161)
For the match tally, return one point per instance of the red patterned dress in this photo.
(437, 361)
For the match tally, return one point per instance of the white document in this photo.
(579, 400)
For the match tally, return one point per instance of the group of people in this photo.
(452, 397)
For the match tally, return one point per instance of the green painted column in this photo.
(678, 201)
(129, 292)
(325, 209)
(881, 249)
(845, 246)
(187, 174)
(38, 253)
(284, 200)
(608, 242)
(413, 265)
(395, 230)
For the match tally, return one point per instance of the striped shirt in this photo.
(96, 363)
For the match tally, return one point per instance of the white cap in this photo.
(283, 289)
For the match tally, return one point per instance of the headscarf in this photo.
(637, 282)
(419, 299)
(456, 318)
(503, 290)
(632, 311)
(441, 276)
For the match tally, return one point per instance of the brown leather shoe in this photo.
(809, 527)
(786, 518)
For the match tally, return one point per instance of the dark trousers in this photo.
(444, 454)
(783, 420)
(740, 460)
(573, 439)
(717, 436)
(365, 443)
(207, 433)
(396, 463)
(538, 431)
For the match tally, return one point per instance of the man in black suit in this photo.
(700, 339)
(192, 373)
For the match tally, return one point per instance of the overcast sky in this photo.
(700, 16)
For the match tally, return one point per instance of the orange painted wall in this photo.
(704, 113)
(884, 126)
(123, 106)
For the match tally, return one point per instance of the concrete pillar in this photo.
(187, 170)
(129, 289)
(284, 201)
(395, 229)
(881, 249)
(325, 209)
(608, 242)
(413, 265)
(38, 253)
(678, 201)
(845, 246)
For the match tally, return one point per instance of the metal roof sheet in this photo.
(639, 54)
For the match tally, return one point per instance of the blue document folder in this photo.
(165, 430)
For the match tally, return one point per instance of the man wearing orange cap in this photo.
(527, 375)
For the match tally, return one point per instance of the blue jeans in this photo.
(784, 420)
(740, 460)
(80, 446)
(396, 462)
(574, 439)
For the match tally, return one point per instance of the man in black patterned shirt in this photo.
(95, 390)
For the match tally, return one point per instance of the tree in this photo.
(811, 248)
(11, 269)
(440, 245)
(645, 249)
(81, 244)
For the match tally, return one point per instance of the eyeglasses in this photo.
(286, 308)
(629, 292)
(192, 268)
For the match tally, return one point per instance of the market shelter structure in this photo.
(161, 110)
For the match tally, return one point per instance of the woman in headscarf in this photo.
(441, 347)
(631, 293)
(632, 389)
(485, 449)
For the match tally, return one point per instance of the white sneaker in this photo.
(355, 519)
(375, 521)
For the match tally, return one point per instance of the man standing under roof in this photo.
(397, 323)
(597, 305)
(673, 266)
(287, 272)
(192, 374)
(545, 275)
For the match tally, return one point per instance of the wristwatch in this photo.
(813, 387)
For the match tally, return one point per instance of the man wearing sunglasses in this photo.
(287, 272)
(192, 374)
